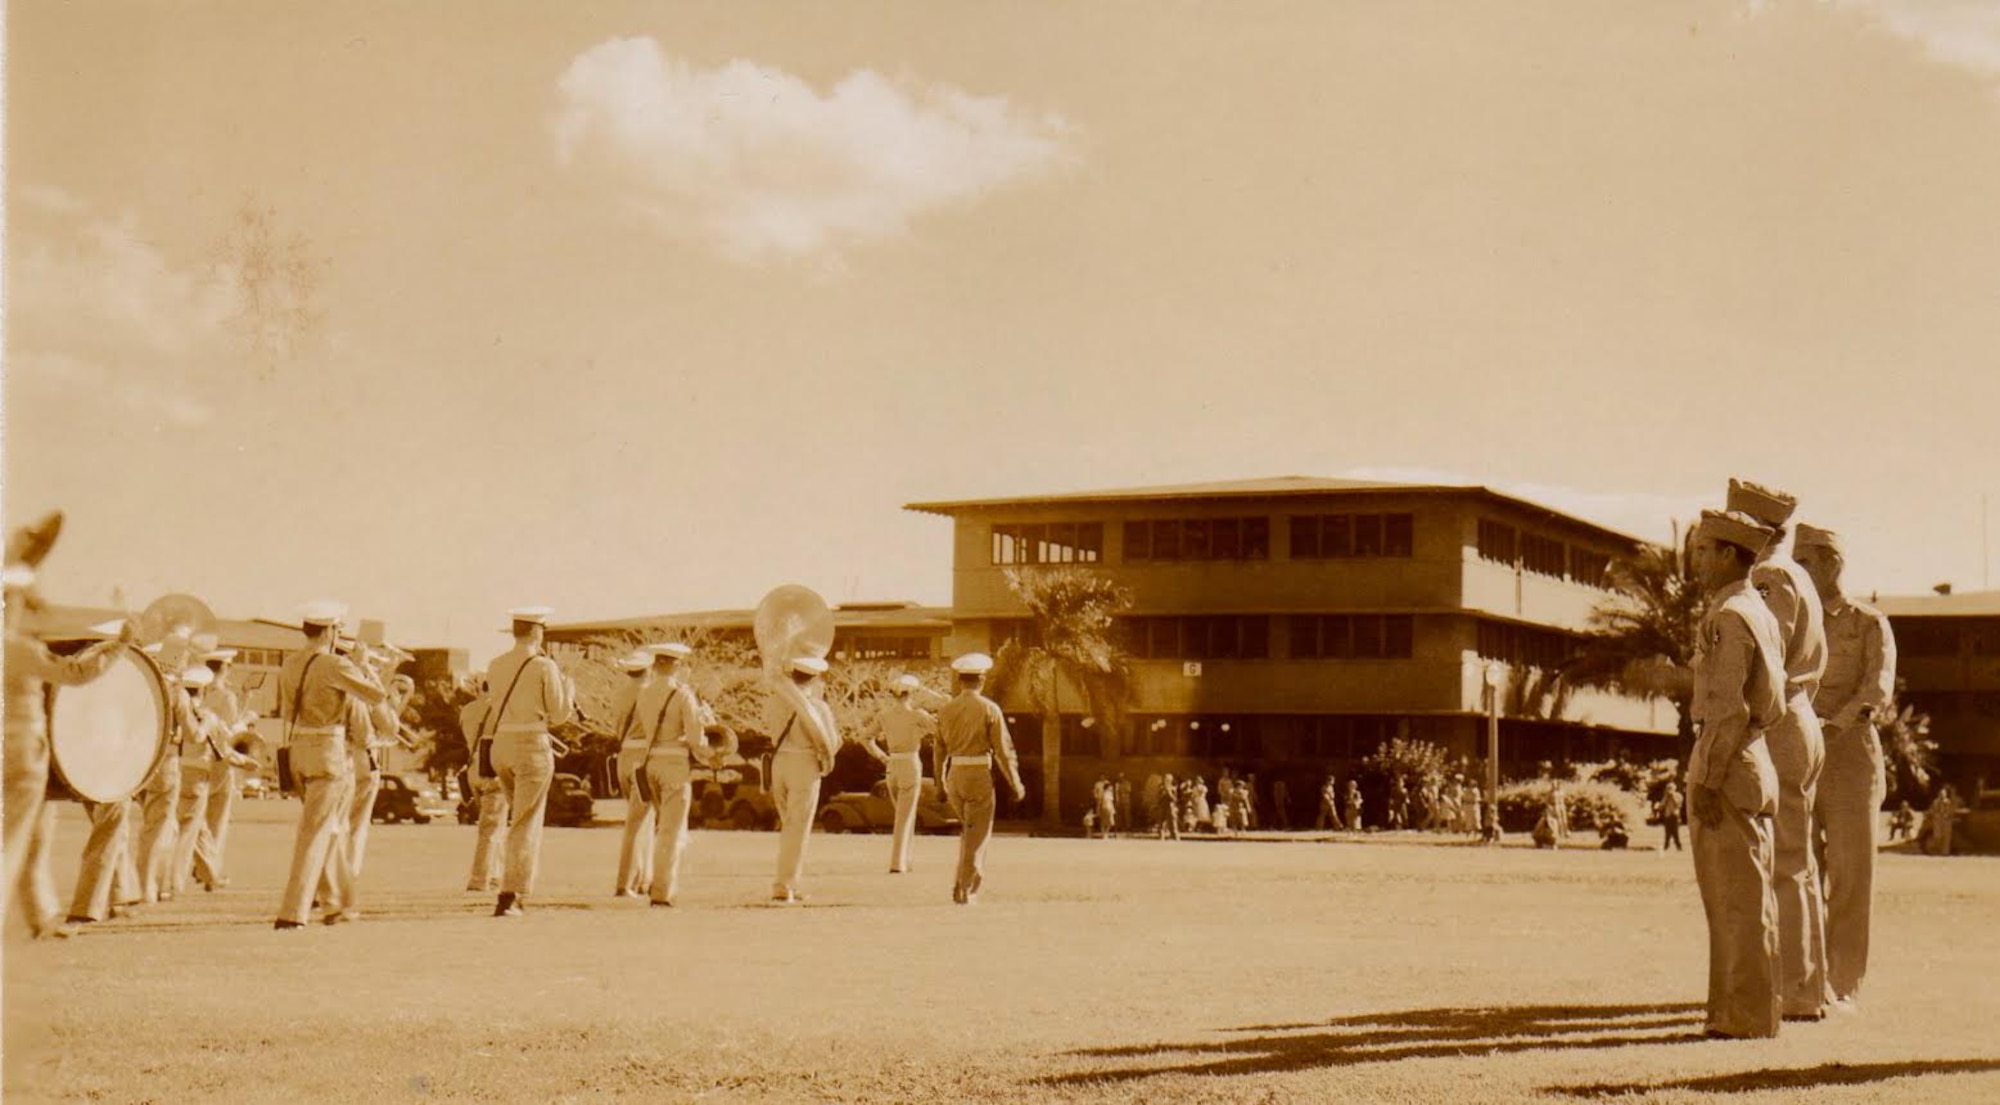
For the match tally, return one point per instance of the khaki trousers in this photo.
(191, 844)
(795, 782)
(486, 845)
(355, 820)
(224, 780)
(1798, 751)
(635, 851)
(668, 773)
(99, 875)
(1732, 865)
(30, 829)
(159, 828)
(526, 764)
(323, 770)
(1847, 811)
(906, 781)
(969, 787)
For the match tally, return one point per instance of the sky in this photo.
(634, 308)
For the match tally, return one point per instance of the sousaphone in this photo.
(182, 625)
(791, 622)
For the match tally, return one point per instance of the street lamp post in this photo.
(1495, 672)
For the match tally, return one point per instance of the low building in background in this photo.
(1948, 661)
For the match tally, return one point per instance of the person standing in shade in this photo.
(29, 819)
(1352, 804)
(973, 732)
(1859, 683)
(1798, 749)
(635, 846)
(1670, 819)
(1281, 806)
(1167, 809)
(534, 697)
(668, 715)
(315, 687)
(1739, 682)
(903, 727)
(808, 738)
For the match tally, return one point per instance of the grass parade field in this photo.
(1399, 969)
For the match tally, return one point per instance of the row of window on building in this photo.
(1283, 737)
(1310, 637)
(1313, 537)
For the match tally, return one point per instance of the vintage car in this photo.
(731, 797)
(570, 803)
(873, 812)
(408, 798)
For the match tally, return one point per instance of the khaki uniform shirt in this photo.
(667, 717)
(973, 725)
(1793, 600)
(540, 700)
(322, 700)
(31, 667)
(904, 728)
(1738, 681)
(1860, 674)
(623, 717)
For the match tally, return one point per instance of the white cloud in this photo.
(95, 308)
(758, 164)
(1647, 515)
(1965, 33)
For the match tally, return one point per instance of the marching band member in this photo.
(635, 850)
(669, 717)
(159, 798)
(534, 696)
(973, 733)
(206, 743)
(904, 727)
(314, 689)
(224, 775)
(808, 737)
(484, 788)
(30, 668)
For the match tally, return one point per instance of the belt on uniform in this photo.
(973, 761)
(320, 731)
(678, 752)
(913, 757)
(635, 746)
(523, 727)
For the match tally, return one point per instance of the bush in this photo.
(1647, 780)
(1523, 804)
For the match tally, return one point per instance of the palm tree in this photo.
(1642, 636)
(1070, 641)
(1909, 755)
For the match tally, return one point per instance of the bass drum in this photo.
(106, 736)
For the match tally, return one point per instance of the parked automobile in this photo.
(408, 798)
(874, 812)
(570, 803)
(731, 797)
(256, 786)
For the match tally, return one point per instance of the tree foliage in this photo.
(1642, 636)
(1072, 642)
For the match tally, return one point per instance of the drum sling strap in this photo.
(645, 782)
(286, 783)
(493, 723)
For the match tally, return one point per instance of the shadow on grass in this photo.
(1413, 1034)
(1802, 1078)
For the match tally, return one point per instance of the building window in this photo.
(1158, 539)
(1340, 536)
(1922, 637)
(1197, 637)
(1048, 543)
(1543, 555)
(1592, 569)
(1496, 542)
(1022, 631)
(1526, 646)
(886, 648)
(1352, 636)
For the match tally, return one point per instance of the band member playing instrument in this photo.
(635, 850)
(904, 727)
(533, 697)
(207, 743)
(484, 788)
(159, 798)
(224, 775)
(669, 717)
(30, 821)
(807, 738)
(314, 688)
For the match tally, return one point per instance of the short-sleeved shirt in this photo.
(1860, 664)
(538, 701)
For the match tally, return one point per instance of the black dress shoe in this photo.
(287, 926)
(509, 905)
(73, 919)
(662, 905)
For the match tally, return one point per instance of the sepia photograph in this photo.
(887, 551)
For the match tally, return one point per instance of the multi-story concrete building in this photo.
(861, 630)
(1289, 626)
(1948, 660)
